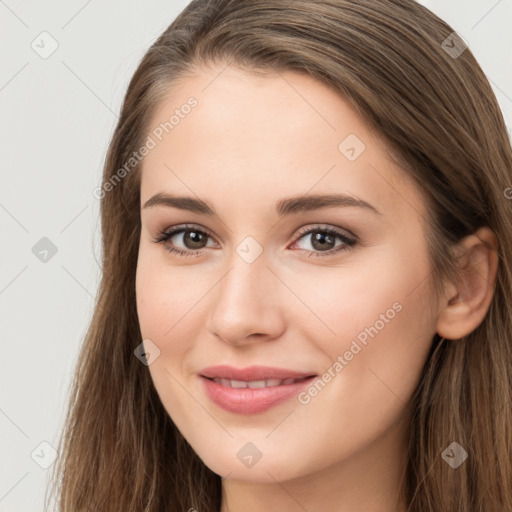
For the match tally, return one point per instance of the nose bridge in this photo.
(244, 302)
(248, 274)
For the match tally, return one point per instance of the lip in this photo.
(252, 400)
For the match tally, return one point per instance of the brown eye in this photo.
(191, 239)
(194, 239)
(323, 241)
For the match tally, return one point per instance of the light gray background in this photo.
(57, 117)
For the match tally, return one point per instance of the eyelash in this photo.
(164, 236)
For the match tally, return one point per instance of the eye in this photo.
(193, 239)
(322, 240)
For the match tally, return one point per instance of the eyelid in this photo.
(302, 231)
(174, 230)
(326, 227)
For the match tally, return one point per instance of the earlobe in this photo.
(467, 301)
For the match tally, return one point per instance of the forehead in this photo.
(255, 137)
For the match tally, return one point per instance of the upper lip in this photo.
(252, 373)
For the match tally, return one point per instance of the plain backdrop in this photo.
(58, 114)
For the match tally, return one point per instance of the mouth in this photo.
(252, 390)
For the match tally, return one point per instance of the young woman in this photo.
(306, 298)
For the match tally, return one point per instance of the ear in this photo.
(467, 301)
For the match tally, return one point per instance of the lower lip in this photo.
(252, 400)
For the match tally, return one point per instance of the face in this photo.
(330, 296)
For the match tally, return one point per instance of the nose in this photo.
(247, 304)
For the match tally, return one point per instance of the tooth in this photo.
(256, 384)
(238, 384)
(253, 384)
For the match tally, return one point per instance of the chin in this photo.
(247, 465)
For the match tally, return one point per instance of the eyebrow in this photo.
(288, 206)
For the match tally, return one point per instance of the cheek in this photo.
(164, 307)
(170, 307)
(384, 331)
(379, 322)
(386, 292)
(166, 297)
(151, 303)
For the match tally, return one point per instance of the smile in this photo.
(252, 390)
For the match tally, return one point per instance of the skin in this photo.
(251, 141)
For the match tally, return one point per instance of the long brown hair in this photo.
(120, 451)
